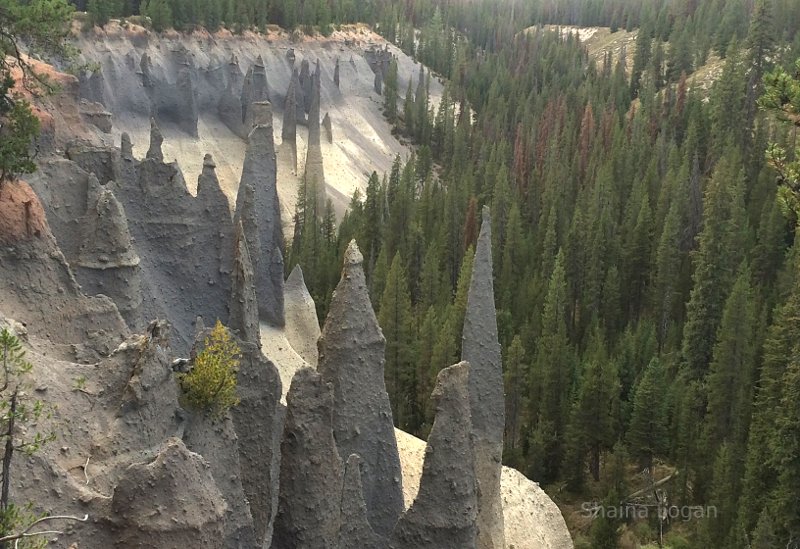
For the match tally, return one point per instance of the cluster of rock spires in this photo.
(324, 471)
(339, 449)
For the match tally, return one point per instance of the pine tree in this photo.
(396, 323)
(648, 430)
(551, 375)
(720, 251)
(730, 378)
(390, 92)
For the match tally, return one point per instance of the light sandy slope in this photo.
(362, 140)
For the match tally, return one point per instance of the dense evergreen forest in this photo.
(647, 274)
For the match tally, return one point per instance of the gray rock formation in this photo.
(289, 129)
(311, 470)
(255, 89)
(229, 106)
(104, 162)
(315, 171)
(95, 114)
(481, 349)
(216, 440)
(351, 357)
(146, 67)
(354, 530)
(186, 111)
(33, 267)
(244, 304)
(302, 324)
(92, 86)
(126, 147)
(300, 100)
(326, 123)
(179, 485)
(260, 173)
(107, 262)
(306, 84)
(259, 421)
(156, 140)
(444, 513)
(336, 74)
(378, 83)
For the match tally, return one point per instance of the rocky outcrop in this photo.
(354, 530)
(215, 439)
(351, 358)
(480, 347)
(107, 261)
(444, 513)
(126, 147)
(326, 124)
(260, 173)
(254, 90)
(32, 266)
(92, 86)
(289, 129)
(186, 111)
(104, 162)
(156, 140)
(179, 485)
(311, 470)
(377, 84)
(306, 85)
(244, 304)
(315, 172)
(336, 74)
(229, 106)
(258, 420)
(212, 204)
(95, 114)
(302, 324)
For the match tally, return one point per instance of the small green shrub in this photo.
(210, 386)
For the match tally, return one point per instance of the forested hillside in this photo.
(647, 274)
(646, 269)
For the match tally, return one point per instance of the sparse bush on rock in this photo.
(211, 384)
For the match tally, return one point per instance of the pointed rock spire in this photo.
(326, 124)
(260, 173)
(311, 470)
(302, 324)
(247, 94)
(156, 140)
(336, 74)
(230, 101)
(315, 171)
(480, 347)
(351, 357)
(355, 531)
(305, 84)
(146, 66)
(186, 100)
(106, 237)
(126, 147)
(244, 305)
(289, 130)
(443, 515)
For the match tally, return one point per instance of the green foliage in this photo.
(210, 385)
(160, 14)
(18, 129)
(100, 11)
(20, 430)
(43, 26)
